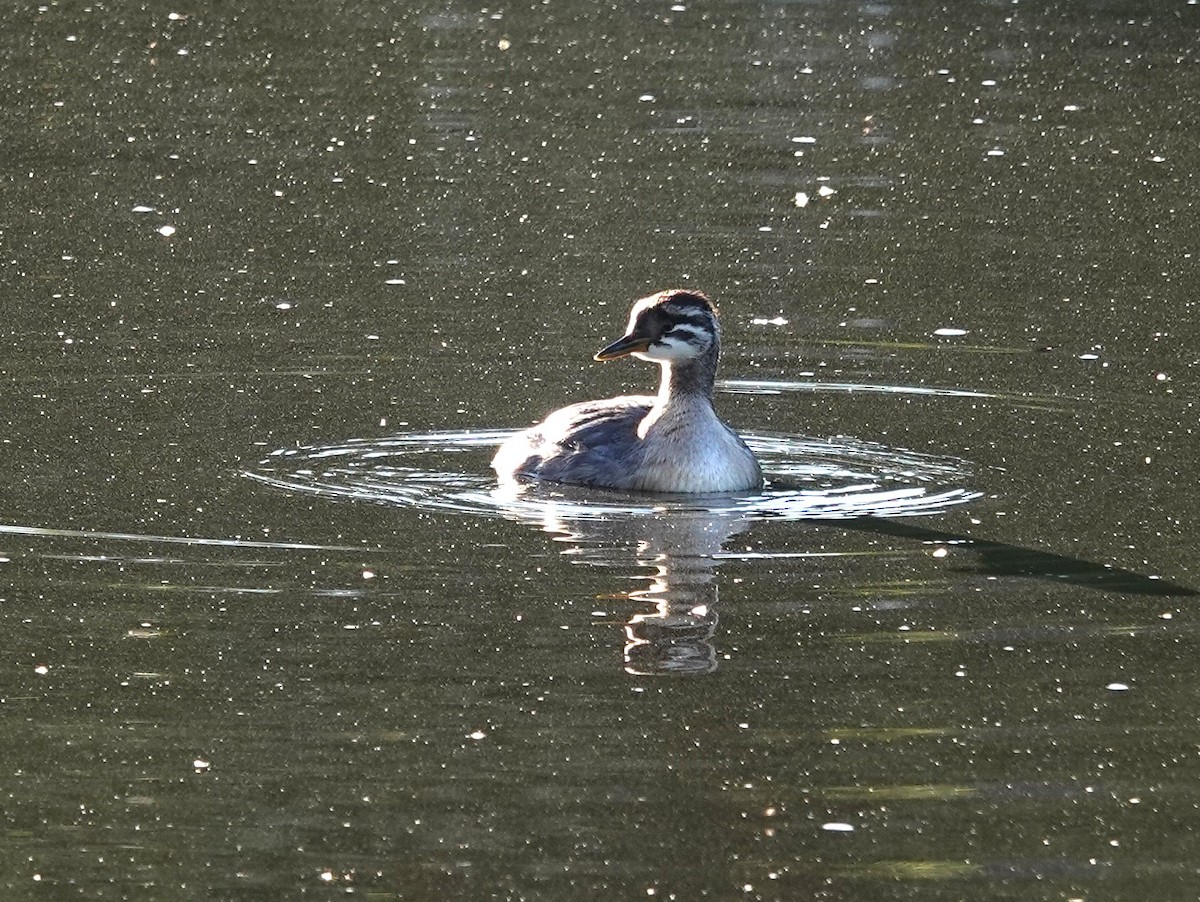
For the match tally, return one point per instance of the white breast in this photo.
(692, 451)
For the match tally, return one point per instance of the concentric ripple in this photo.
(448, 471)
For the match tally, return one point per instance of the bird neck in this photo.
(684, 399)
(687, 381)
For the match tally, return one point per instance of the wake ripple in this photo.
(807, 479)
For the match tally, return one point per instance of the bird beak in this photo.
(623, 347)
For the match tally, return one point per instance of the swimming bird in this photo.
(671, 442)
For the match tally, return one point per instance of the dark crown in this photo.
(686, 301)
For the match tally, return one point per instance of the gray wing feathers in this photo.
(585, 444)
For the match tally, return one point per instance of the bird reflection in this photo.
(675, 636)
(684, 544)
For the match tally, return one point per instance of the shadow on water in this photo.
(1002, 560)
(851, 485)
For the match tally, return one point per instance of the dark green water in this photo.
(232, 232)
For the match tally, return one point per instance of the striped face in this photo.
(673, 325)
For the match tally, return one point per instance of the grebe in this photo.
(672, 442)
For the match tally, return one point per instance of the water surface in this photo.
(256, 651)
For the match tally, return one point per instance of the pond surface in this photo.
(278, 278)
